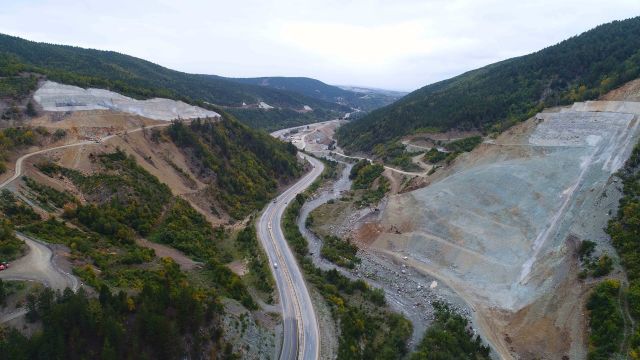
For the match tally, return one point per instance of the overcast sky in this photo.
(393, 44)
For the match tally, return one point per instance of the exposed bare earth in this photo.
(57, 97)
(495, 226)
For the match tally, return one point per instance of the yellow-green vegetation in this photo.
(340, 252)
(435, 156)
(259, 272)
(395, 154)
(606, 319)
(454, 149)
(47, 197)
(16, 87)
(364, 173)
(463, 145)
(16, 137)
(10, 246)
(15, 210)
(168, 319)
(449, 338)
(98, 259)
(368, 177)
(591, 266)
(244, 166)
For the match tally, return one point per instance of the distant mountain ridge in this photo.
(321, 91)
(142, 79)
(496, 96)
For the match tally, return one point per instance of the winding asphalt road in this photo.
(301, 333)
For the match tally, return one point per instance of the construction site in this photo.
(501, 225)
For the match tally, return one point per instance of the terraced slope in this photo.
(497, 227)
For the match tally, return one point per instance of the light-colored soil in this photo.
(57, 97)
(628, 92)
(395, 180)
(162, 158)
(38, 265)
(162, 251)
(252, 337)
(239, 267)
(494, 225)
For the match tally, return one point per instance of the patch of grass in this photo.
(47, 196)
(340, 252)
(259, 272)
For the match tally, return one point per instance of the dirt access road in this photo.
(38, 265)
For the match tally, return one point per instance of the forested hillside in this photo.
(243, 166)
(495, 97)
(137, 78)
(140, 306)
(318, 90)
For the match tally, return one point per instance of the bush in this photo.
(607, 326)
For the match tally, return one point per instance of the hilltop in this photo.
(358, 98)
(23, 63)
(495, 97)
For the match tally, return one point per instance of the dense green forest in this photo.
(142, 79)
(448, 338)
(496, 96)
(246, 166)
(605, 317)
(168, 319)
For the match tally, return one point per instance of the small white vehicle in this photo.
(275, 265)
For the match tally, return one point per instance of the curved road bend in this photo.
(18, 168)
(301, 334)
(38, 264)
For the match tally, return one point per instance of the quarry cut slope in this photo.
(53, 96)
(496, 229)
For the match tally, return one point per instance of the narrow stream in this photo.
(406, 290)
